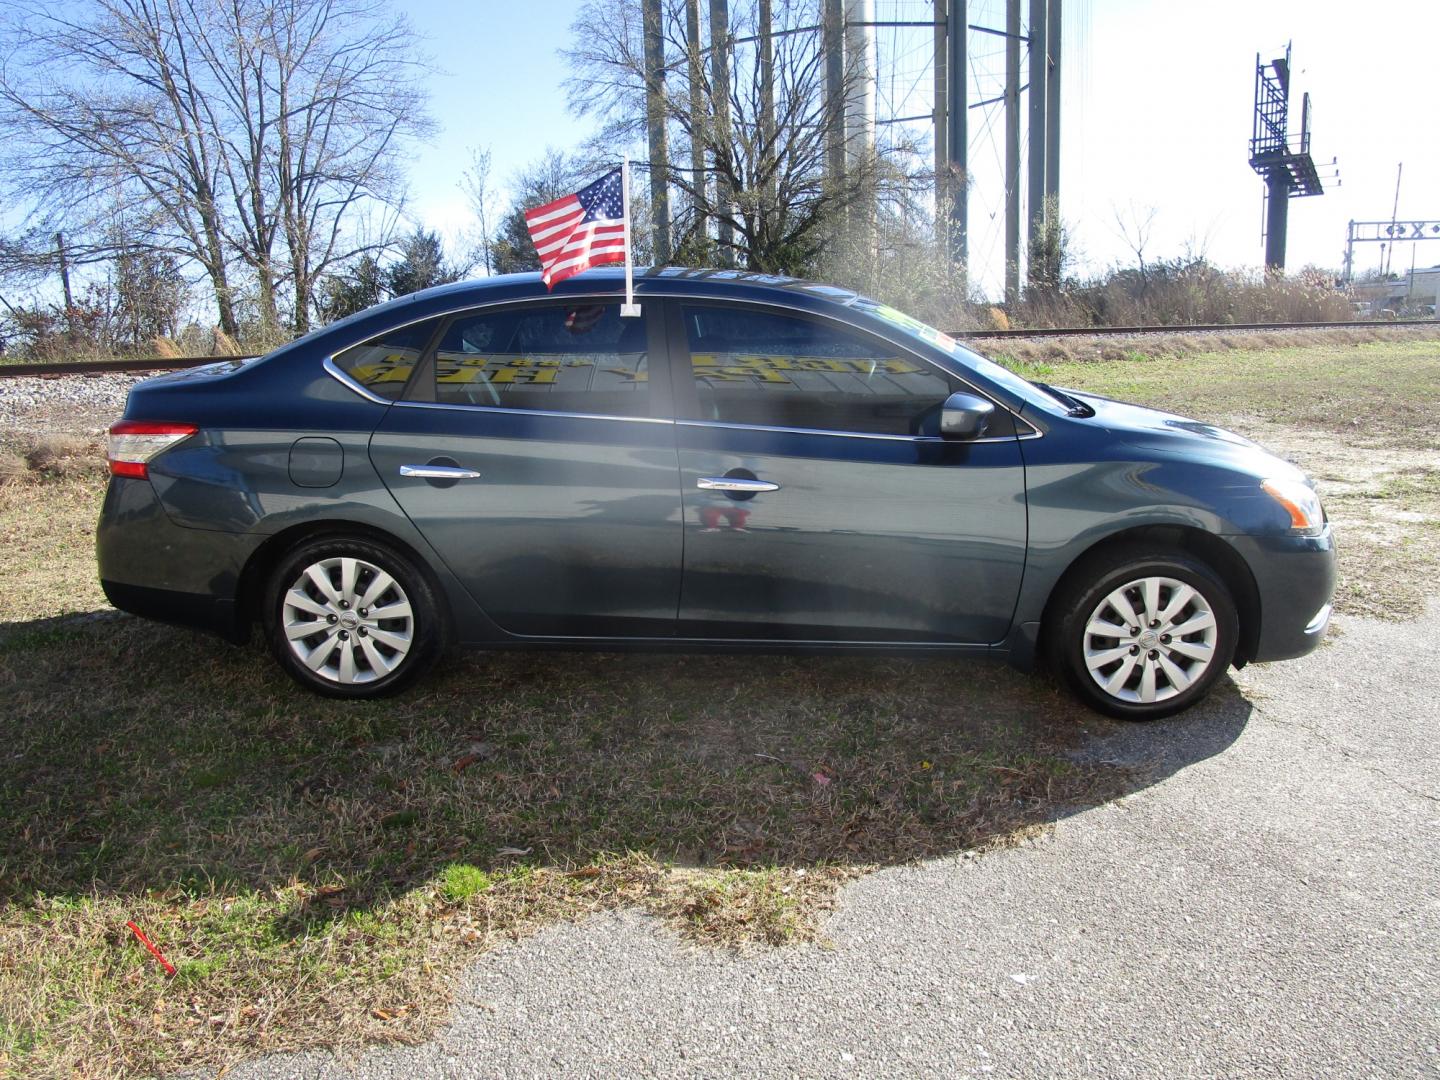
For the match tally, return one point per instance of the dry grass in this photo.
(13, 469)
(62, 455)
(318, 871)
(1043, 351)
(47, 531)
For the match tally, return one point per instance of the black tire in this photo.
(423, 628)
(1092, 583)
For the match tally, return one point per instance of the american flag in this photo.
(581, 320)
(579, 231)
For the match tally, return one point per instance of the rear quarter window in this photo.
(384, 364)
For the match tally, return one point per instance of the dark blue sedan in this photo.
(752, 463)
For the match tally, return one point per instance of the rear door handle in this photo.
(439, 472)
(734, 483)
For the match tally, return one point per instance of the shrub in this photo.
(1187, 291)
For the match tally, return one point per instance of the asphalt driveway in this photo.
(1269, 905)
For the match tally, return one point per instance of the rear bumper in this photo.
(183, 609)
(150, 566)
(1295, 579)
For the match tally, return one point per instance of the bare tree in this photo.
(763, 140)
(1135, 225)
(233, 125)
(475, 183)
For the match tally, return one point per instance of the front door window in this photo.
(778, 370)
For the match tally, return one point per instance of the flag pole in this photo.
(629, 309)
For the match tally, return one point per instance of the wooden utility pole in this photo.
(655, 121)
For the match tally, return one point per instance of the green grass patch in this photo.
(1371, 392)
(460, 881)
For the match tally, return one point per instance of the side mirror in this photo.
(965, 416)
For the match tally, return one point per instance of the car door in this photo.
(538, 457)
(820, 502)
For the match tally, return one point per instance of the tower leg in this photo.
(1276, 218)
(1054, 25)
(655, 125)
(1012, 152)
(720, 99)
(957, 138)
(1036, 274)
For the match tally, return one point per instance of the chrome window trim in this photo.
(528, 412)
(851, 434)
(872, 333)
(334, 369)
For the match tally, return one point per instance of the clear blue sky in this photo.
(1156, 110)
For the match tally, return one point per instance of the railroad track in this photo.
(108, 367)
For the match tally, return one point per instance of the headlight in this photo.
(1300, 502)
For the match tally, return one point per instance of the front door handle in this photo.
(734, 483)
(439, 472)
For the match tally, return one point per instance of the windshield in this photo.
(938, 339)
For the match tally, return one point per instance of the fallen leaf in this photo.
(820, 778)
(463, 763)
(311, 855)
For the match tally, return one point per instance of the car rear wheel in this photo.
(1140, 635)
(351, 618)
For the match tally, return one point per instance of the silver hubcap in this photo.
(347, 620)
(1150, 640)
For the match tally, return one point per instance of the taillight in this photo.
(134, 442)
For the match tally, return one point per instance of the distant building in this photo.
(1417, 291)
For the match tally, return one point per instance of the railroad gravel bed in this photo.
(66, 404)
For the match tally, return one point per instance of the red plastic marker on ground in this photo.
(169, 967)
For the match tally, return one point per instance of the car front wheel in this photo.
(1140, 635)
(351, 618)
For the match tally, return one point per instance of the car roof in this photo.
(607, 280)
(663, 280)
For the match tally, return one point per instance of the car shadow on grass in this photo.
(141, 757)
(317, 871)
